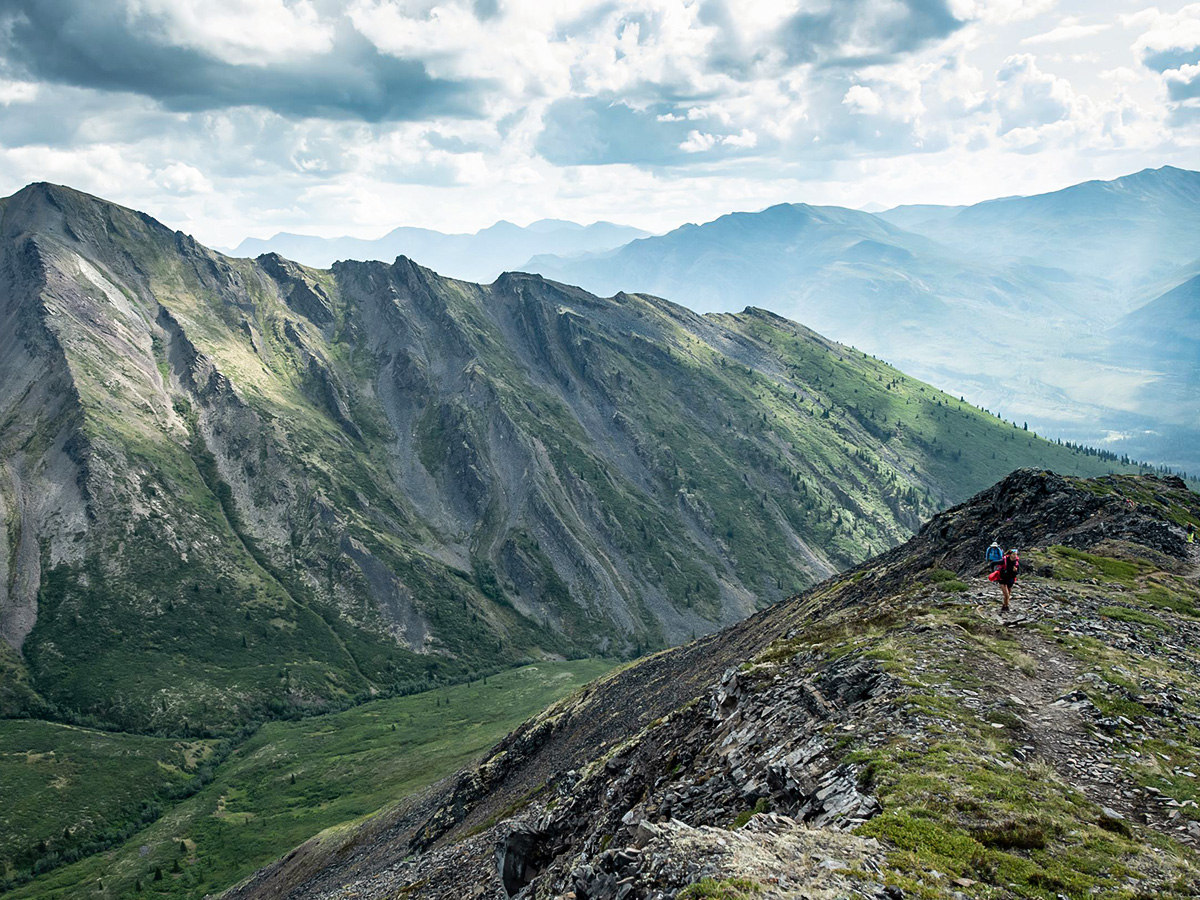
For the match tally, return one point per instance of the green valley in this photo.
(280, 786)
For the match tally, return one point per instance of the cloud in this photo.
(862, 99)
(353, 116)
(605, 131)
(1001, 12)
(703, 141)
(594, 131)
(180, 178)
(866, 31)
(745, 138)
(698, 142)
(1183, 83)
(239, 32)
(1069, 29)
(17, 91)
(452, 143)
(1171, 40)
(149, 47)
(1026, 97)
(1170, 46)
(458, 40)
(68, 118)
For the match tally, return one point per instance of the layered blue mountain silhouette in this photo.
(1075, 310)
(475, 257)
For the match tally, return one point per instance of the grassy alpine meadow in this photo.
(66, 788)
(287, 782)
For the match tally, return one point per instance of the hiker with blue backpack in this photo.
(1004, 572)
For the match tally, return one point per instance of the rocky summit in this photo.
(239, 489)
(885, 734)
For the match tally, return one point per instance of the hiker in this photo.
(994, 554)
(1005, 575)
(1191, 533)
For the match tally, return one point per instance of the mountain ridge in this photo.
(1151, 233)
(385, 478)
(1005, 277)
(885, 714)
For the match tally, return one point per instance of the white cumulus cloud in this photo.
(1026, 97)
(243, 32)
(698, 142)
(863, 100)
(180, 178)
(17, 91)
(744, 139)
(1165, 32)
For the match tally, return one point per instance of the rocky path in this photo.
(1059, 722)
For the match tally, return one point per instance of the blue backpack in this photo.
(994, 553)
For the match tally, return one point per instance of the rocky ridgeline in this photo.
(749, 746)
(885, 735)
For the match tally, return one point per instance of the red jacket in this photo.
(1006, 570)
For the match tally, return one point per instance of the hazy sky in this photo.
(229, 118)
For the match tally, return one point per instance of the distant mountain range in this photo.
(1124, 232)
(475, 257)
(238, 488)
(1019, 304)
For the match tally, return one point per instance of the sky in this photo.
(236, 118)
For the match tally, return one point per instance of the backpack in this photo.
(994, 553)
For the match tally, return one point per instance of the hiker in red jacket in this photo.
(1006, 576)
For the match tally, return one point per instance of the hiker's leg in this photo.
(1006, 591)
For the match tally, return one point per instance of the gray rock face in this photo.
(518, 861)
(43, 458)
(634, 825)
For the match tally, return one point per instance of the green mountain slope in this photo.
(976, 300)
(234, 488)
(887, 734)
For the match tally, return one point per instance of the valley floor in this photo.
(285, 783)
